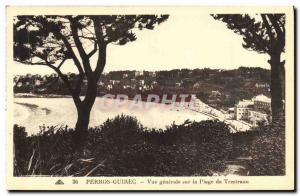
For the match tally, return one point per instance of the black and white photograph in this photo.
(119, 97)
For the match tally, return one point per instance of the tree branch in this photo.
(61, 63)
(276, 26)
(84, 37)
(70, 50)
(269, 30)
(59, 35)
(102, 48)
(61, 75)
(74, 30)
(73, 92)
(94, 50)
(82, 53)
(45, 62)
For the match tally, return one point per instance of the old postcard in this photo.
(150, 98)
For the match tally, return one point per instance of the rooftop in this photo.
(261, 98)
(245, 103)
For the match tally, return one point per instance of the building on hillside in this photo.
(37, 82)
(256, 117)
(28, 75)
(17, 78)
(154, 83)
(141, 82)
(127, 87)
(19, 84)
(215, 94)
(262, 103)
(152, 74)
(138, 73)
(241, 109)
(114, 82)
(54, 75)
(255, 111)
(100, 83)
(109, 87)
(230, 113)
(148, 87)
(197, 85)
(125, 75)
(44, 78)
(178, 84)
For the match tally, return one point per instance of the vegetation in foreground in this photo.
(123, 147)
(265, 146)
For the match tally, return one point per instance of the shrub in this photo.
(268, 152)
(42, 153)
(122, 131)
(242, 143)
(157, 160)
(20, 150)
(123, 147)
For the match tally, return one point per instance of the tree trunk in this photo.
(276, 87)
(83, 118)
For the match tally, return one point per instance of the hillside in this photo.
(218, 88)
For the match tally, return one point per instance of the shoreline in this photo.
(201, 107)
(29, 95)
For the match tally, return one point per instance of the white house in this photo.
(19, 84)
(241, 109)
(109, 87)
(256, 110)
(141, 82)
(152, 74)
(255, 117)
(138, 73)
(262, 103)
(216, 93)
(37, 82)
(100, 83)
(178, 84)
(230, 113)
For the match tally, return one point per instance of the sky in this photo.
(190, 41)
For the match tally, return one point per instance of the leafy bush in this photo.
(268, 152)
(122, 131)
(123, 147)
(242, 143)
(20, 150)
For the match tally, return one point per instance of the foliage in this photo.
(242, 142)
(49, 38)
(123, 147)
(268, 151)
(265, 36)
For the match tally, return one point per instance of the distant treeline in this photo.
(219, 88)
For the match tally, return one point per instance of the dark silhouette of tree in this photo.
(263, 36)
(53, 39)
